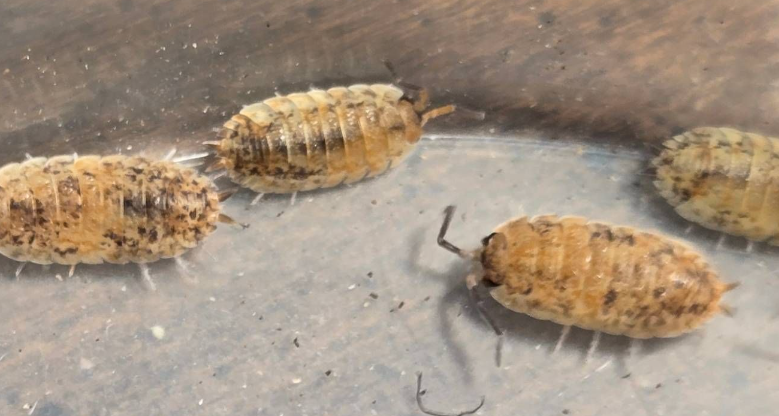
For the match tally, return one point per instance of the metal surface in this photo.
(301, 313)
(576, 92)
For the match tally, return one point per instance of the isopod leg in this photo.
(20, 269)
(448, 214)
(750, 246)
(593, 346)
(183, 268)
(226, 194)
(146, 279)
(633, 347)
(721, 241)
(256, 199)
(427, 411)
(563, 335)
(727, 310)
(170, 154)
(437, 112)
(292, 200)
(229, 221)
(72, 270)
(472, 281)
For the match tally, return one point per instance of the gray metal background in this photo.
(101, 76)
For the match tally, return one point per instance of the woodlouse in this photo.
(116, 209)
(594, 276)
(321, 139)
(723, 179)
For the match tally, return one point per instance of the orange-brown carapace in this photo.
(594, 276)
(92, 209)
(320, 139)
(723, 179)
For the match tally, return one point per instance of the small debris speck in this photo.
(200, 403)
(626, 376)
(370, 274)
(295, 341)
(212, 299)
(566, 411)
(296, 381)
(328, 372)
(374, 295)
(158, 332)
(373, 202)
(351, 287)
(400, 305)
(659, 385)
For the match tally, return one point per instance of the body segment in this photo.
(723, 179)
(320, 139)
(93, 209)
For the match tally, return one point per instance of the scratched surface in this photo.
(301, 314)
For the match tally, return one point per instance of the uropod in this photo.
(594, 276)
(115, 209)
(321, 139)
(723, 179)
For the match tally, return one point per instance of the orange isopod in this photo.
(321, 139)
(595, 276)
(115, 209)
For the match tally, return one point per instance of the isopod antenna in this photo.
(448, 214)
(427, 411)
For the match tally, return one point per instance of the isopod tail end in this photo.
(226, 194)
(730, 286)
(229, 221)
(213, 144)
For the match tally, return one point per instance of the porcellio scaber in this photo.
(321, 139)
(595, 276)
(723, 179)
(91, 209)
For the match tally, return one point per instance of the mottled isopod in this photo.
(320, 139)
(594, 276)
(723, 179)
(115, 209)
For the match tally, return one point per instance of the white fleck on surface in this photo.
(158, 332)
(296, 381)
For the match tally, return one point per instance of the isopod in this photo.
(115, 209)
(321, 139)
(594, 276)
(723, 179)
